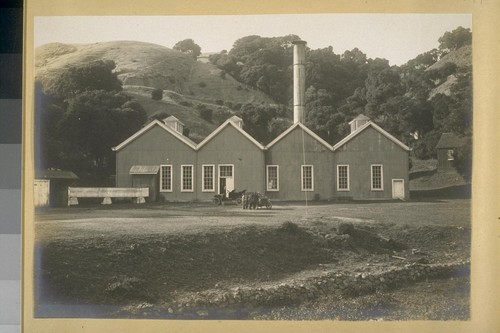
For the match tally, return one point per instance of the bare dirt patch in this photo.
(168, 261)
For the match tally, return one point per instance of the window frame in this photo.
(225, 165)
(203, 178)
(381, 177)
(302, 167)
(171, 178)
(348, 178)
(450, 154)
(277, 178)
(191, 166)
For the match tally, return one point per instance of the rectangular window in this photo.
(451, 157)
(307, 176)
(377, 178)
(187, 178)
(342, 178)
(165, 178)
(273, 178)
(208, 178)
(225, 170)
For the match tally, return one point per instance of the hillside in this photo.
(142, 67)
(462, 58)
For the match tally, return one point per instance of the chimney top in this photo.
(297, 42)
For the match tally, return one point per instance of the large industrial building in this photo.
(368, 164)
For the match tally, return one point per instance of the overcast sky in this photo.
(396, 37)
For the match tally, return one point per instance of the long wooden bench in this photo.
(138, 194)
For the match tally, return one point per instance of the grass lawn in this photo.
(114, 259)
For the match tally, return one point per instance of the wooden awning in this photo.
(144, 169)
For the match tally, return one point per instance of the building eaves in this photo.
(146, 128)
(219, 129)
(449, 140)
(305, 129)
(377, 128)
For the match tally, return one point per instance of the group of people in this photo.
(254, 200)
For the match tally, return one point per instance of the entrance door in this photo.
(398, 189)
(42, 191)
(226, 179)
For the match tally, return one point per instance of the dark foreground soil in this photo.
(141, 270)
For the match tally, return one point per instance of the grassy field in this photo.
(108, 261)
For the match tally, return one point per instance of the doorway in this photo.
(226, 179)
(398, 189)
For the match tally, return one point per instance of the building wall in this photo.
(367, 148)
(288, 155)
(156, 147)
(231, 147)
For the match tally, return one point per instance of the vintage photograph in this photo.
(253, 167)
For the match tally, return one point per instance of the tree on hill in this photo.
(455, 39)
(95, 75)
(264, 123)
(94, 122)
(188, 46)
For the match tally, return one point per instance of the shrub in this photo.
(221, 115)
(205, 114)
(202, 84)
(289, 226)
(157, 94)
(219, 102)
(239, 88)
(186, 103)
(345, 229)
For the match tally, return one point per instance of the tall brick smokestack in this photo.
(299, 81)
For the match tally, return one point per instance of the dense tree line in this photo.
(402, 99)
(81, 117)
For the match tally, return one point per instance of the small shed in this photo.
(446, 150)
(51, 187)
(146, 176)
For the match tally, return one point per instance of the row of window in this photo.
(376, 179)
(272, 175)
(307, 177)
(187, 177)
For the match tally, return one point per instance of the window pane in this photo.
(376, 177)
(166, 178)
(343, 177)
(272, 177)
(307, 181)
(208, 177)
(226, 170)
(187, 177)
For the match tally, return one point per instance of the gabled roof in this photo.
(152, 124)
(305, 129)
(450, 140)
(229, 122)
(377, 128)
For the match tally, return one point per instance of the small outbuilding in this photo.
(51, 187)
(446, 150)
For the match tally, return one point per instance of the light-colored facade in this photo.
(369, 164)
